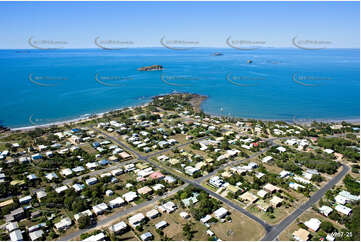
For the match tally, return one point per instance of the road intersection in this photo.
(272, 231)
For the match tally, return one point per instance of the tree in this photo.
(84, 221)
(327, 227)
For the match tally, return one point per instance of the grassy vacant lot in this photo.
(310, 213)
(128, 236)
(174, 230)
(241, 228)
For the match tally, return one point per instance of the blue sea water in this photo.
(44, 86)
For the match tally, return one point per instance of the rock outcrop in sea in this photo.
(151, 68)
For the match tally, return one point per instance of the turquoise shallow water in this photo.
(43, 86)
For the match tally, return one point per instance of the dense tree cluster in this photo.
(342, 146)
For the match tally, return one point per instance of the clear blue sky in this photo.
(209, 23)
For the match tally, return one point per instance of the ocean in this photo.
(45, 86)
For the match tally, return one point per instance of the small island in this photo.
(151, 68)
(249, 61)
(217, 54)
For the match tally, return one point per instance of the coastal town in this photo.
(168, 171)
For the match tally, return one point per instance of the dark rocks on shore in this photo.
(3, 129)
(151, 68)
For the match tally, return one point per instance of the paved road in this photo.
(277, 229)
(233, 163)
(272, 232)
(120, 214)
(140, 156)
(197, 184)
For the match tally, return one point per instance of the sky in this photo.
(209, 24)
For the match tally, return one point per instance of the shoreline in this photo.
(195, 102)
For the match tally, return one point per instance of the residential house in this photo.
(220, 213)
(162, 224)
(249, 197)
(135, 220)
(118, 227)
(325, 210)
(100, 208)
(129, 196)
(301, 235)
(64, 224)
(117, 202)
(313, 224)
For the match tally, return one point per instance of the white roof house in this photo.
(295, 186)
(168, 207)
(97, 237)
(100, 208)
(162, 158)
(84, 213)
(61, 189)
(348, 196)
(40, 194)
(281, 149)
(117, 172)
(190, 170)
(325, 210)
(135, 220)
(328, 151)
(31, 177)
(343, 209)
(206, 218)
(51, 176)
(16, 235)
(313, 224)
(130, 196)
(162, 224)
(146, 236)
(284, 173)
(25, 199)
(184, 215)
(220, 213)
(78, 169)
(152, 213)
(36, 235)
(91, 165)
(267, 159)
(63, 224)
(158, 187)
(66, 172)
(78, 187)
(262, 193)
(12, 226)
(117, 202)
(340, 200)
(91, 181)
(118, 227)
